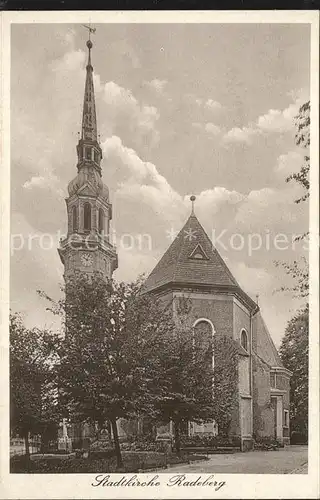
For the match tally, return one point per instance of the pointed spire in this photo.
(89, 120)
(88, 148)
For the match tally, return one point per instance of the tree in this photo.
(302, 138)
(188, 385)
(294, 355)
(299, 270)
(182, 373)
(225, 382)
(33, 354)
(110, 330)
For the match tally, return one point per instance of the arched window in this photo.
(88, 154)
(87, 217)
(203, 337)
(244, 339)
(74, 219)
(101, 220)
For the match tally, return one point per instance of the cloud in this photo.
(35, 265)
(209, 104)
(214, 105)
(144, 183)
(134, 262)
(197, 125)
(114, 95)
(156, 84)
(45, 179)
(254, 280)
(212, 128)
(41, 182)
(126, 113)
(289, 163)
(211, 200)
(71, 61)
(241, 135)
(274, 121)
(209, 127)
(278, 121)
(269, 208)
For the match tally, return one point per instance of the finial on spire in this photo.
(257, 299)
(89, 42)
(192, 199)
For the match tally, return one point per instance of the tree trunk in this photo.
(177, 443)
(116, 442)
(26, 444)
(109, 429)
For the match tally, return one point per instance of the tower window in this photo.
(286, 418)
(74, 219)
(88, 153)
(96, 157)
(273, 380)
(101, 220)
(87, 217)
(244, 340)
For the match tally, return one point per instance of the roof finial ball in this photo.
(89, 44)
(192, 199)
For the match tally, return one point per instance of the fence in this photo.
(17, 446)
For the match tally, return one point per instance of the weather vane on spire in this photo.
(192, 199)
(90, 30)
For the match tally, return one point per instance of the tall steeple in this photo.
(89, 119)
(88, 205)
(88, 148)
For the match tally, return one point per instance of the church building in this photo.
(193, 268)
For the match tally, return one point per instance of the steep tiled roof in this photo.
(265, 346)
(192, 259)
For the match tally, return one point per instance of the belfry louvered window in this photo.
(101, 220)
(74, 219)
(87, 217)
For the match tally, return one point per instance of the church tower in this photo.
(87, 246)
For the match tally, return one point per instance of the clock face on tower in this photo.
(86, 259)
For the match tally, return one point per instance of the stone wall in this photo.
(263, 417)
(241, 321)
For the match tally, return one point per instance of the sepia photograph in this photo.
(159, 255)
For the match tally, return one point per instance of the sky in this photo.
(203, 109)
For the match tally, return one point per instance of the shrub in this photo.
(144, 444)
(266, 443)
(96, 455)
(210, 441)
(132, 462)
(298, 438)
